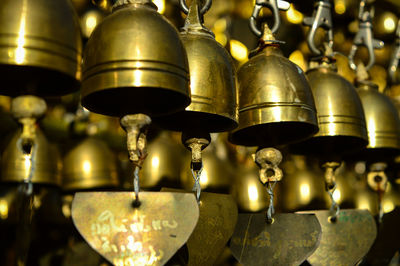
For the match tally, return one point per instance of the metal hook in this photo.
(365, 37)
(394, 61)
(274, 6)
(203, 10)
(321, 18)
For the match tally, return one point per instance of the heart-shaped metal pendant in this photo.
(218, 216)
(387, 241)
(289, 240)
(345, 241)
(146, 235)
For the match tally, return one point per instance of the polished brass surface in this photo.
(346, 241)
(213, 105)
(134, 62)
(289, 240)
(89, 165)
(164, 162)
(40, 47)
(383, 122)
(146, 235)
(217, 220)
(275, 101)
(47, 163)
(341, 118)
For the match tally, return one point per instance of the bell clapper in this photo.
(330, 187)
(268, 160)
(377, 180)
(136, 129)
(196, 143)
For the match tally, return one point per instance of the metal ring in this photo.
(203, 10)
(256, 11)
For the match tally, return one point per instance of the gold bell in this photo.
(276, 105)
(301, 188)
(134, 62)
(340, 114)
(163, 164)
(213, 105)
(383, 122)
(40, 51)
(15, 166)
(91, 164)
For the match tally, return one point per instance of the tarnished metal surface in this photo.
(146, 235)
(218, 216)
(213, 105)
(387, 241)
(290, 240)
(346, 241)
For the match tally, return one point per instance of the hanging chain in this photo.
(394, 61)
(321, 18)
(365, 37)
(330, 187)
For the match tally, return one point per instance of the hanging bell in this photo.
(134, 62)
(213, 105)
(40, 51)
(276, 105)
(383, 122)
(341, 118)
(15, 166)
(91, 164)
(301, 188)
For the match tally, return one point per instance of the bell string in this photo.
(196, 186)
(271, 210)
(334, 205)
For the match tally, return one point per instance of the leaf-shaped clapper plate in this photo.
(289, 240)
(125, 235)
(218, 216)
(346, 241)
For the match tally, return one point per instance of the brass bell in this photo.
(248, 191)
(341, 118)
(41, 47)
(90, 164)
(383, 122)
(135, 62)
(213, 105)
(164, 163)
(276, 105)
(301, 188)
(15, 165)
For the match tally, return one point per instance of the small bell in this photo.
(40, 51)
(46, 161)
(212, 80)
(341, 119)
(135, 62)
(91, 164)
(383, 122)
(276, 105)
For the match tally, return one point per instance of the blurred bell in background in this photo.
(77, 150)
